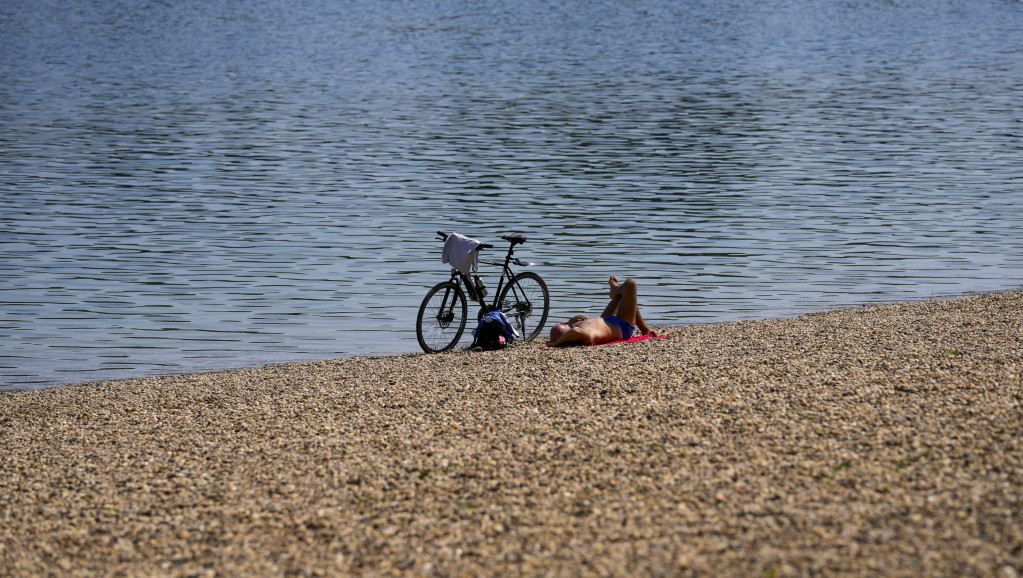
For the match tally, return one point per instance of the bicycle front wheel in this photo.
(441, 319)
(526, 303)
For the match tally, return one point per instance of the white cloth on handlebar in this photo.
(461, 252)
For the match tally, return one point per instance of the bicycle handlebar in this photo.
(444, 236)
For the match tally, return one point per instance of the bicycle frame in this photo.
(506, 274)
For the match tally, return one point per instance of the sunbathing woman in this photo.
(618, 321)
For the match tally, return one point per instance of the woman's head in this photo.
(562, 328)
(558, 330)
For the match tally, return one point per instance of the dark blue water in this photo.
(195, 185)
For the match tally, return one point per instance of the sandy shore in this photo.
(875, 441)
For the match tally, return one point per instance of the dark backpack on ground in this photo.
(491, 334)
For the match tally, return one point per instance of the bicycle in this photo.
(443, 313)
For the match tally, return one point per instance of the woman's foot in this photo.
(616, 290)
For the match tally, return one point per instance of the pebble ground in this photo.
(879, 441)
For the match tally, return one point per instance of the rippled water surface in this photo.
(204, 185)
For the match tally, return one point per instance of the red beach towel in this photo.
(632, 340)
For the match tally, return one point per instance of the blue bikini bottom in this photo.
(627, 328)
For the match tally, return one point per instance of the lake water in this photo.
(200, 185)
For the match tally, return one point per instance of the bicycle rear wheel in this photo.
(526, 303)
(441, 319)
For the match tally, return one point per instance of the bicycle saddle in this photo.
(515, 239)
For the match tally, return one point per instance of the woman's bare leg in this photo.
(627, 297)
(612, 307)
(644, 329)
(625, 304)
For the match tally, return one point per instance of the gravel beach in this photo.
(882, 440)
